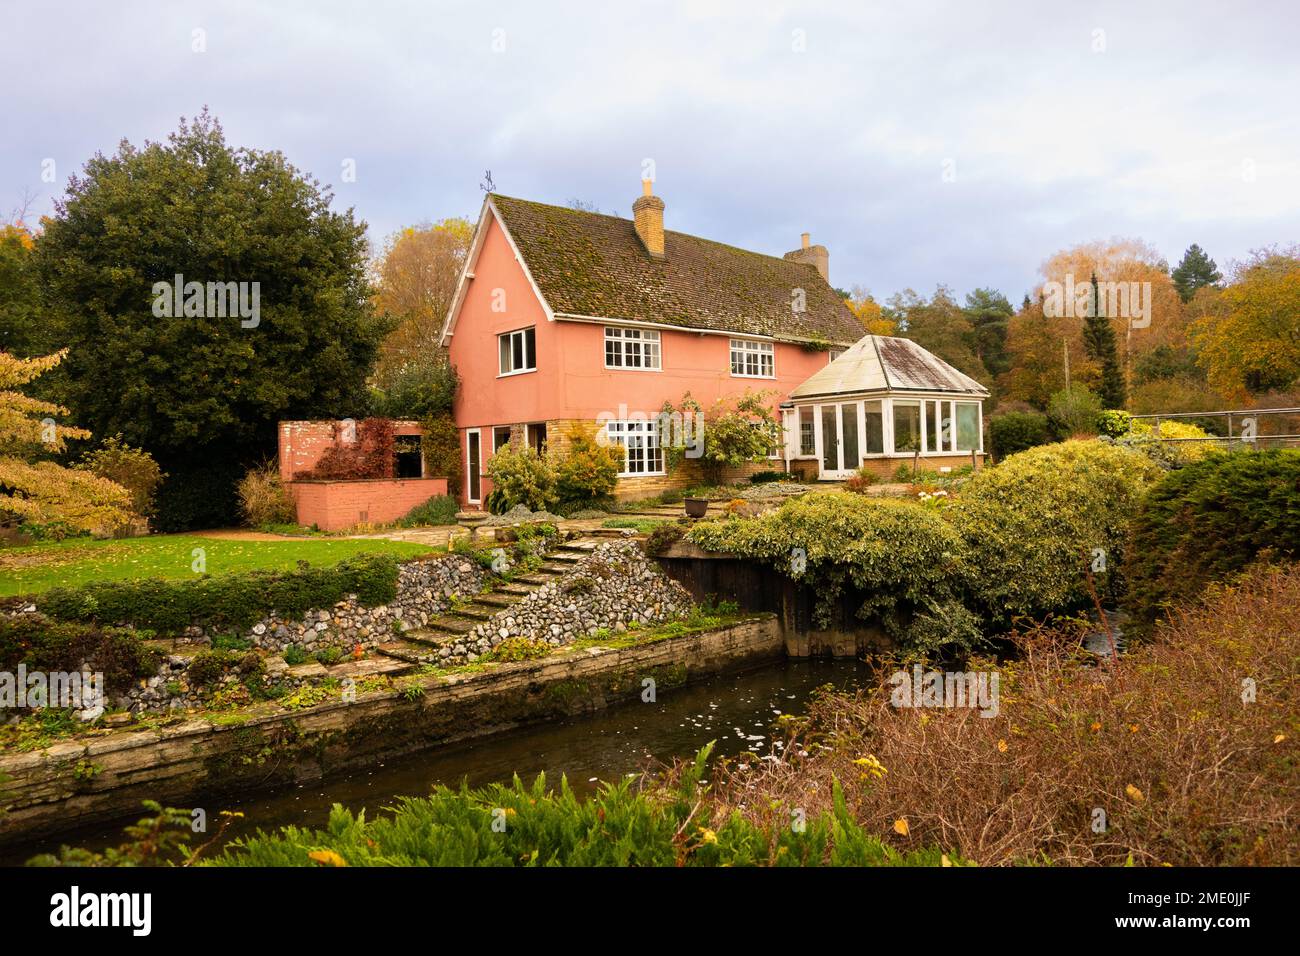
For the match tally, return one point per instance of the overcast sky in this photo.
(959, 142)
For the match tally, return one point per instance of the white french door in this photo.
(839, 444)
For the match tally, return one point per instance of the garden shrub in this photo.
(764, 477)
(46, 645)
(209, 667)
(903, 558)
(1208, 520)
(861, 480)
(132, 468)
(586, 474)
(662, 537)
(738, 430)
(1017, 431)
(522, 477)
(438, 510)
(1074, 412)
(264, 499)
(1113, 423)
(227, 601)
(1031, 524)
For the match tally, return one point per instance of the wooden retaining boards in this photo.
(80, 782)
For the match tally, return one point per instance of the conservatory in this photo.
(884, 401)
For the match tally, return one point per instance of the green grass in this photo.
(39, 567)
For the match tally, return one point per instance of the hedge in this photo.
(904, 558)
(1017, 540)
(1030, 525)
(227, 600)
(45, 645)
(1018, 431)
(1208, 520)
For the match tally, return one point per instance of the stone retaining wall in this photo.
(195, 763)
(613, 588)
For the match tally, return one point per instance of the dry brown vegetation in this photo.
(1186, 771)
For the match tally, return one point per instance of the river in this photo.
(739, 711)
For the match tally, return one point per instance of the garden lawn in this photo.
(39, 567)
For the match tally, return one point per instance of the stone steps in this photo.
(406, 653)
(419, 645)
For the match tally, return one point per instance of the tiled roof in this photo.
(879, 363)
(589, 264)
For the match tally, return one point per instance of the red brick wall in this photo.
(303, 443)
(336, 505)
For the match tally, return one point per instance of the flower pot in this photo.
(696, 507)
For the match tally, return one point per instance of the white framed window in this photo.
(640, 442)
(633, 348)
(517, 351)
(938, 426)
(807, 432)
(752, 359)
(970, 436)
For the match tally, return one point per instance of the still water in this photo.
(739, 711)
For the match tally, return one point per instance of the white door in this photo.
(839, 439)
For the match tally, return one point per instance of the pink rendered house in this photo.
(565, 318)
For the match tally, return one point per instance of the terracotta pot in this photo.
(696, 507)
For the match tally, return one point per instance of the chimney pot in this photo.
(810, 255)
(648, 220)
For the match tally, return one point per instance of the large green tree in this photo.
(989, 313)
(1195, 271)
(204, 392)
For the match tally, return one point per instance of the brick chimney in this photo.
(812, 255)
(648, 219)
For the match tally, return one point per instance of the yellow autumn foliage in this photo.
(43, 492)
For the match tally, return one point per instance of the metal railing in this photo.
(1248, 420)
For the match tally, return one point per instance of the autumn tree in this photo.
(869, 312)
(38, 491)
(1036, 347)
(1127, 261)
(1249, 342)
(1194, 272)
(416, 278)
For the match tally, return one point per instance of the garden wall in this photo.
(79, 782)
(302, 443)
(338, 505)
